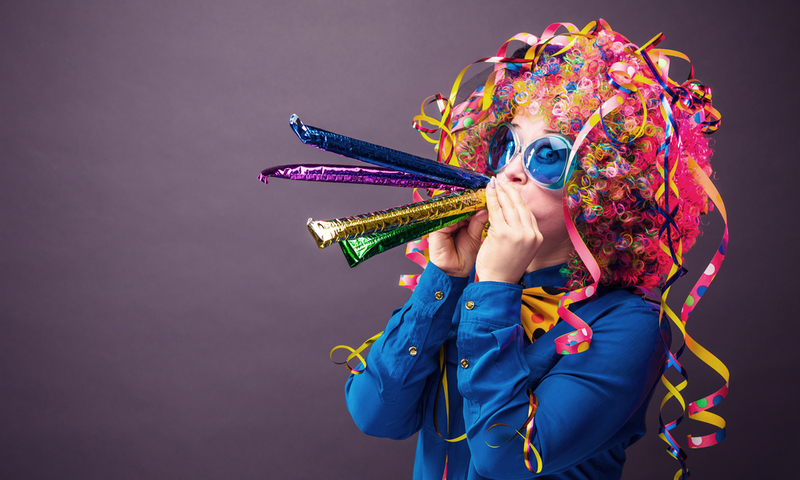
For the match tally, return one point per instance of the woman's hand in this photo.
(513, 239)
(453, 249)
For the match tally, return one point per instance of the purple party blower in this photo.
(348, 174)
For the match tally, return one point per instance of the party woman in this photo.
(574, 130)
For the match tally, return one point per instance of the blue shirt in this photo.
(591, 405)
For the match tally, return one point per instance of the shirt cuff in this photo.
(492, 303)
(438, 292)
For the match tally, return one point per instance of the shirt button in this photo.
(470, 305)
(412, 351)
(464, 363)
(439, 295)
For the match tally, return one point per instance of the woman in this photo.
(575, 136)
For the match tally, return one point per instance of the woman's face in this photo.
(544, 204)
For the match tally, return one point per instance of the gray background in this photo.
(165, 315)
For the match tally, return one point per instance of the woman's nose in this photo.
(515, 170)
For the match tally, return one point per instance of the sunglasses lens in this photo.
(546, 159)
(501, 148)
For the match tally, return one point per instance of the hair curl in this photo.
(612, 194)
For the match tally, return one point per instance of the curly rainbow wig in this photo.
(616, 196)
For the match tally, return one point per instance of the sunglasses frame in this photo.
(566, 173)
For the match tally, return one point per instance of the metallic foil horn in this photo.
(386, 157)
(346, 174)
(328, 232)
(357, 250)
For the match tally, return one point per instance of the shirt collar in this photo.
(545, 277)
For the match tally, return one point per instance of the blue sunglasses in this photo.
(545, 159)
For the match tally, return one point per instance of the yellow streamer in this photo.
(355, 353)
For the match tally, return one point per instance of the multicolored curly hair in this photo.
(612, 196)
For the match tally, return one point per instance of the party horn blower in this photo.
(314, 172)
(387, 157)
(328, 232)
(356, 250)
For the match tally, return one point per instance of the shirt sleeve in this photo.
(584, 399)
(386, 399)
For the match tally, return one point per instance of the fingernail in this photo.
(491, 182)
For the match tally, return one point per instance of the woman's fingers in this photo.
(522, 210)
(475, 227)
(507, 205)
(453, 248)
(513, 238)
(495, 213)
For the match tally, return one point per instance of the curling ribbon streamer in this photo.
(348, 174)
(443, 387)
(355, 353)
(682, 99)
(533, 405)
(328, 232)
(698, 410)
(660, 73)
(663, 193)
(417, 252)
